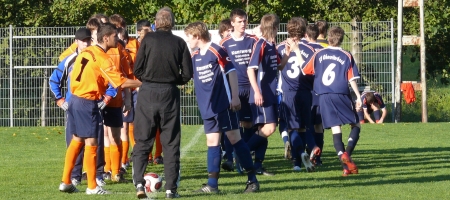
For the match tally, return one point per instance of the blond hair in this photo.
(269, 26)
(198, 29)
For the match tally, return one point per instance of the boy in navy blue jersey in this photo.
(217, 94)
(372, 102)
(295, 107)
(334, 68)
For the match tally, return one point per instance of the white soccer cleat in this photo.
(100, 182)
(297, 168)
(69, 188)
(97, 190)
(76, 182)
(308, 165)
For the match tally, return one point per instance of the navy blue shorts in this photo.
(315, 98)
(316, 117)
(224, 121)
(245, 113)
(112, 117)
(296, 109)
(83, 118)
(337, 109)
(130, 117)
(265, 114)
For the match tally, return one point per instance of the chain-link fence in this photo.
(29, 55)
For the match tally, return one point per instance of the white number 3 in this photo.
(329, 75)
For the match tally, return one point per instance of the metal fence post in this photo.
(11, 123)
(393, 70)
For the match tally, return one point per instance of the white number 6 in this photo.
(329, 75)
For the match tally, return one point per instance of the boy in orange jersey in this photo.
(92, 71)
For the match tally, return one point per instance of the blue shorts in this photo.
(315, 98)
(226, 120)
(316, 117)
(83, 118)
(112, 117)
(264, 114)
(130, 117)
(295, 109)
(337, 109)
(245, 114)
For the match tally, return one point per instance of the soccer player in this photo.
(262, 72)
(239, 46)
(334, 69)
(295, 108)
(92, 71)
(225, 28)
(322, 25)
(217, 92)
(372, 102)
(143, 27)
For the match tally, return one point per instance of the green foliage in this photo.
(437, 103)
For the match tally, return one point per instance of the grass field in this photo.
(396, 161)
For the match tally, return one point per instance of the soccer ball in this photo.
(153, 182)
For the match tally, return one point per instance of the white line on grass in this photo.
(192, 142)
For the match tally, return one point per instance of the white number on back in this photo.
(295, 67)
(329, 75)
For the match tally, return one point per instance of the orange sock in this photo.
(90, 161)
(131, 134)
(71, 156)
(115, 159)
(107, 159)
(158, 147)
(125, 146)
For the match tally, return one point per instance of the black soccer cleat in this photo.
(251, 187)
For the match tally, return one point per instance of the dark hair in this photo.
(312, 31)
(118, 20)
(100, 16)
(322, 25)
(296, 27)
(141, 23)
(123, 32)
(370, 98)
(237, 12)
(336, 36)
(93, 23)
(224, 26)
(106, 29)
(164, 19)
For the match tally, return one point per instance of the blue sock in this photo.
(309, 136)
(228, 149)
(318, 137)
(283, 130)
(243, 153)
(247, 133)
(377, 115)
(353, 139)
(213, 165)
(296, 145)
(303, 136)
(260, 153)
(255, 141)
(338, 144)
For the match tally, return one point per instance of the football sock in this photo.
(158, 146)
(353, 139)
(377, 115)
(247, 133)
(318, 137)
(284, 136)
(255, 141)
(71, 156)
(228, 149)
(303, 136)
(361, 116)
(309, 136)
(107, 159)
(260, 153)
(90, 159)
(125, 147)
(115, 159)
(245, 159)
(296, 144)
(338, 144)
(283, 131)
(131, 134)
(214, 158)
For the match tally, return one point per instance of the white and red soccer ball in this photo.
(153, 182)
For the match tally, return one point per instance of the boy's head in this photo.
(103, 18)
(122, 34)
(336, 36)
(296, 28)
(197, 32)
(225, 28)
(238, 19)
(118, 21)
(370, 98)
(83, 38)
(269, 26)
(107, 35)
(312, 32)
(93, 24)
(143, 27)
(164, 19)
(322, 25)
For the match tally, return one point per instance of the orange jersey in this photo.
(132, 47)
(92, 71)
(73, 47)
(120, 59)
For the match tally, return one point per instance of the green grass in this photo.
(396, 161)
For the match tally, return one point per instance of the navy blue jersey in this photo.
(265, 59)
(316, 46)
(333, 68)
(211, 85)
(291, 77)
(378, 99)
(240, 50)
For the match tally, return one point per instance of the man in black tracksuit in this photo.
(163, 62)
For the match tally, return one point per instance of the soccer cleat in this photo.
(122, 170)
(75, 182)
(345, 172)
(287, 150)
(262, 171)
(118, 178)
(107, 176)
(140, 192)
(315, 153)
(307, 163)
(150, 161)
(345, 159)
(100, 182)
(251, 187)
(207, 189)
(97, 190)
(297, 168)
(68, 188)
(158, 160)
(172, 194)
(228, 166)
(84, 176)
